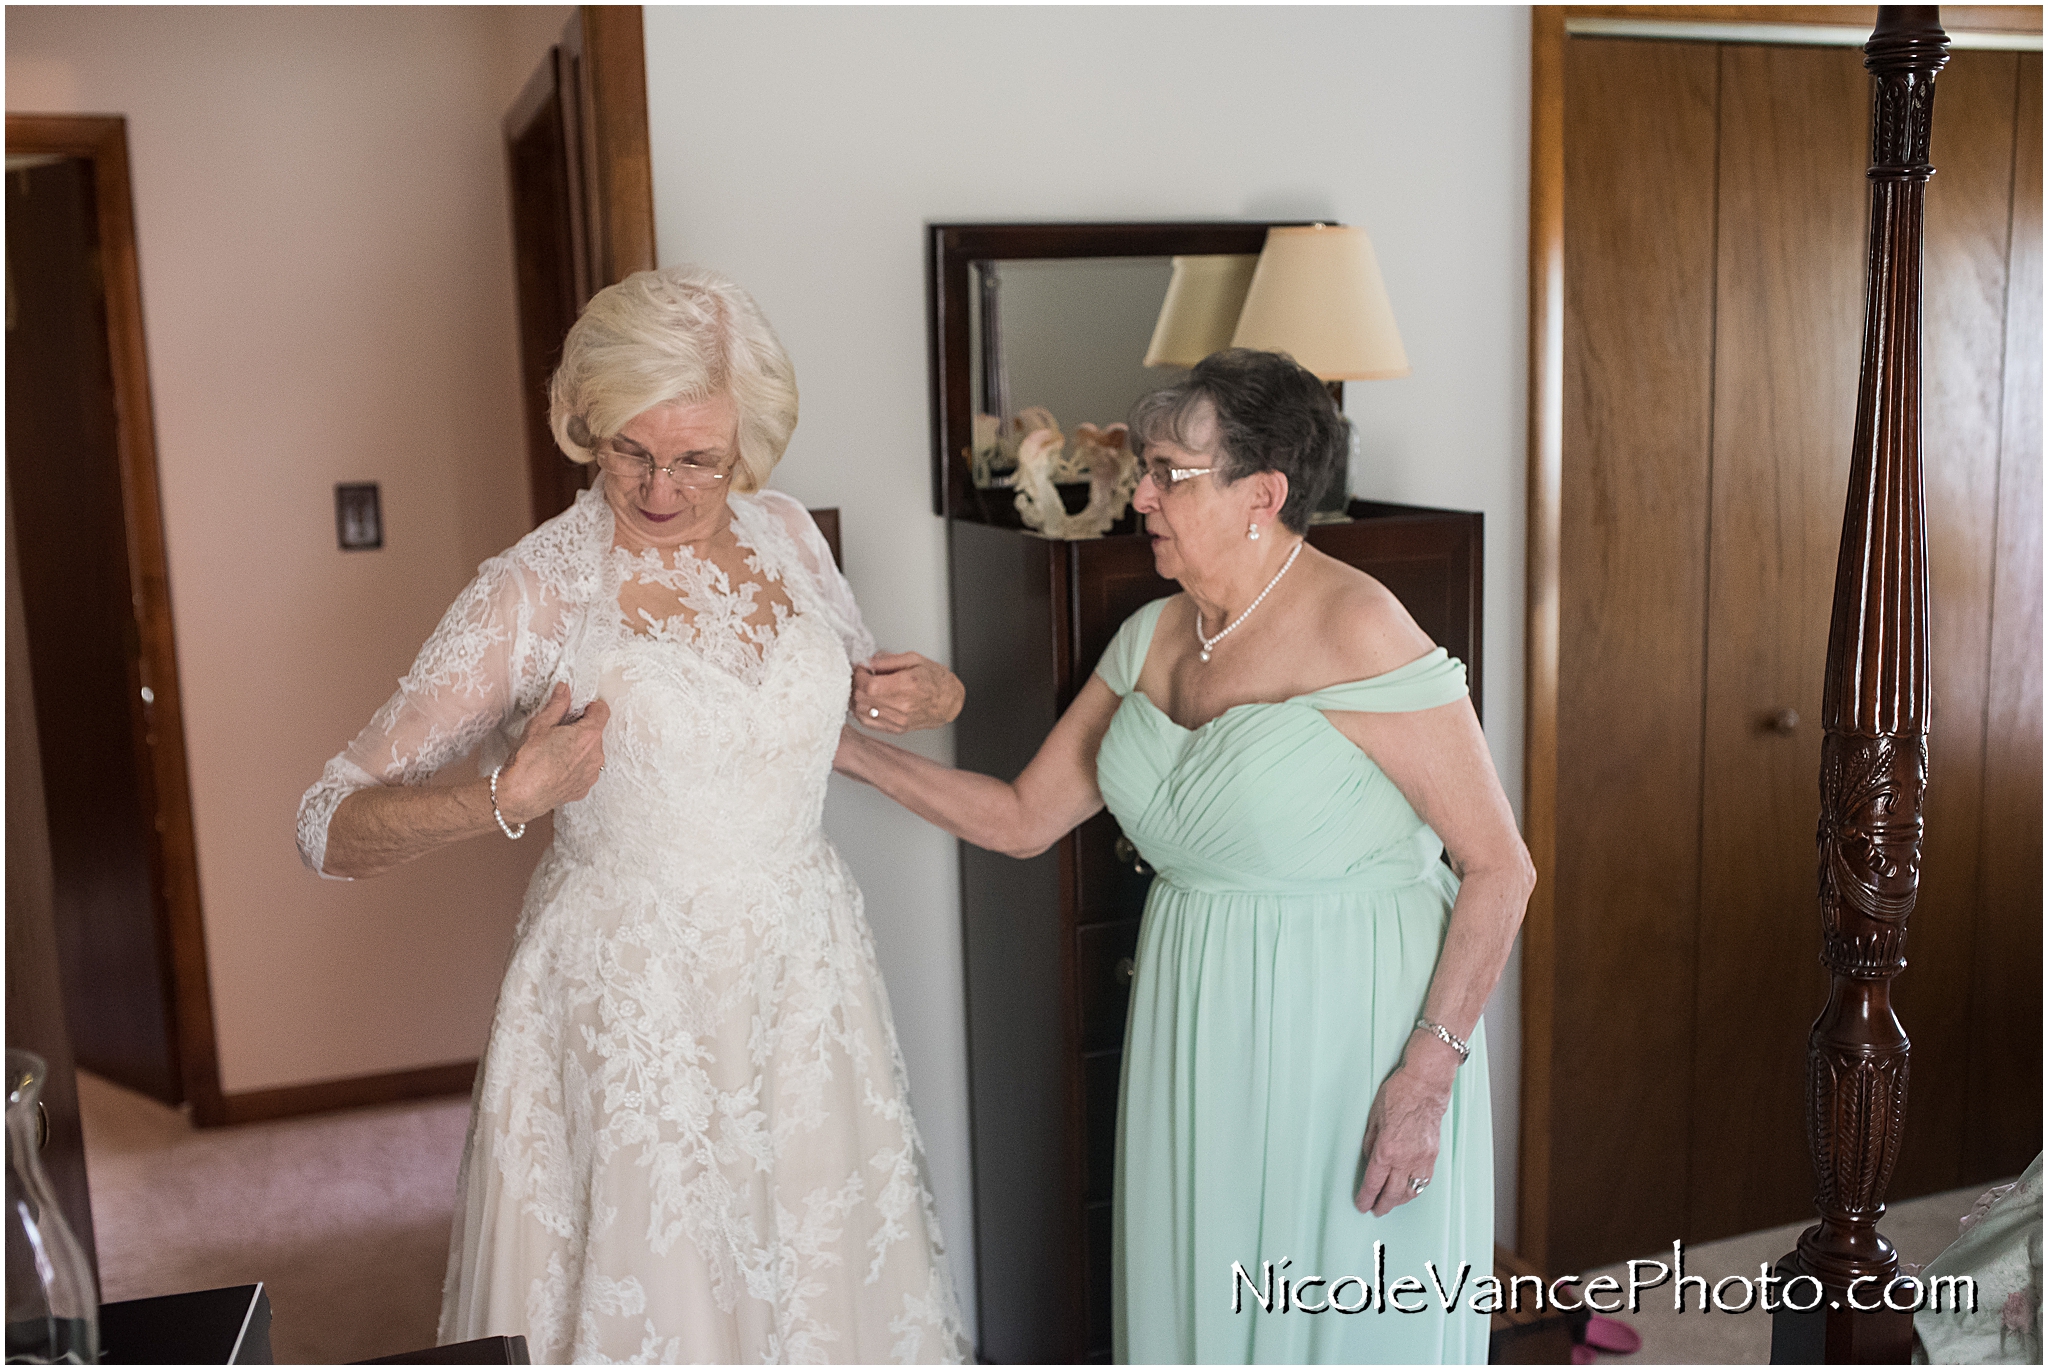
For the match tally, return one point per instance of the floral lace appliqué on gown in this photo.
(691, 1138)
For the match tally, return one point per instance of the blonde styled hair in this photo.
(683, 333)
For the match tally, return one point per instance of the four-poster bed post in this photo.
(1873, 775)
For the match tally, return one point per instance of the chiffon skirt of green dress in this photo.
(1286, 951)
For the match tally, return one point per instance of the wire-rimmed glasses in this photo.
(1164, 475)
(637, 468)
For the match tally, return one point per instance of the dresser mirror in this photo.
(1052, 316)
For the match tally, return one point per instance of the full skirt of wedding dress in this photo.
(692, 1138)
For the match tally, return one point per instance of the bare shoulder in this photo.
(1365, 630)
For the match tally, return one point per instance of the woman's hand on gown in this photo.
(903, 692)
(1403, 1130)
(557, 761)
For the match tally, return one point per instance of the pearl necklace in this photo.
(1209, 643)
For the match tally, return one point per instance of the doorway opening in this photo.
(82, 487)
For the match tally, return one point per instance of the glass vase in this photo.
(52, 1303)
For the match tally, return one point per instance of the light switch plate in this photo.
(358, 519)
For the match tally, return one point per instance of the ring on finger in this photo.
(1417, 1183)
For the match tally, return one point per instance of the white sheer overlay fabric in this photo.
(691, 1138)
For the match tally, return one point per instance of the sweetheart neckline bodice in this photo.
(1268, 794)
(1177, 725)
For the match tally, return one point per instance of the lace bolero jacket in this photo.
(535, 615)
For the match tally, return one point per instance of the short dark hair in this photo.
(1272, 414)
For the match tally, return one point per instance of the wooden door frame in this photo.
(552, 481)
(102, 141)
(615, 138)
(596, 77)
(1967, 25)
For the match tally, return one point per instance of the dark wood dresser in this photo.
(1048, 941)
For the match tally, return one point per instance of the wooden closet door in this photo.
(2004, 1055)
(1788, 305)
(1639, 310)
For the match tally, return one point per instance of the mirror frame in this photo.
(949, 251)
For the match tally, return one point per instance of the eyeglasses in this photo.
(1165, 476)
(638, 467)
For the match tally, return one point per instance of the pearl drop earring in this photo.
(1253, 532)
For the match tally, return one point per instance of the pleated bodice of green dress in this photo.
(1287, 948)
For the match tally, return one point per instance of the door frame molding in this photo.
(616, 140)
(1541, 611)
(596, 75)
(102, 141)
(1542, 603)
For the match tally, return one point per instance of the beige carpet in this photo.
(1919, 1228)
(344, 1217)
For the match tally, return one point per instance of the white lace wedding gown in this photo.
(691, 1138)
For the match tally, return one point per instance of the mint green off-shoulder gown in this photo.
(1286, 950)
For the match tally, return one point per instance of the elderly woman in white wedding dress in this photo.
(691, 1138)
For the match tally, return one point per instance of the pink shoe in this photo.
(1615, 1338)
(1583, 1355)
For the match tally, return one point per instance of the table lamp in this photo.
(1314, 293)
(1203, 301)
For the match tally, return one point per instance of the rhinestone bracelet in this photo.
(1440, 1032)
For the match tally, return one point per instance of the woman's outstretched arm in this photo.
(1019, 818)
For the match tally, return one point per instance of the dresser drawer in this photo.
(1101, 1074)
(1097, 1280)
(1108, 960)
(1113, 881)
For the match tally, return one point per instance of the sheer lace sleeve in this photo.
(814, 559)
(488, 665)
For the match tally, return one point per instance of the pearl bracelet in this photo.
(503, 826)
(1442, 1034)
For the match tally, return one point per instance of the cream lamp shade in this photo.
(1317, 295)
(1203, 301)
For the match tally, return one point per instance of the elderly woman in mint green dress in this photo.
(1304, 1072)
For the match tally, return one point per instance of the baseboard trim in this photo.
(355, 1091)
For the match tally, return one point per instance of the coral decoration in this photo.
(1033, 458)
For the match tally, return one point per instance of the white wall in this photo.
(804, 150)
(325, 256)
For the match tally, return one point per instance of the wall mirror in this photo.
(1056, 316)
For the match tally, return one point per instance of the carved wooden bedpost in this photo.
(1873, 773)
